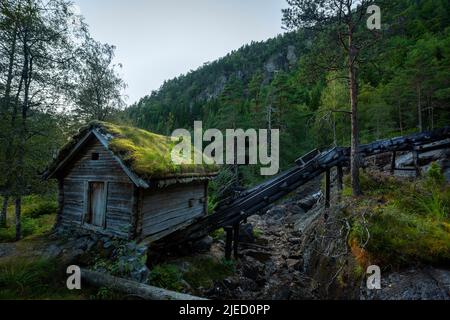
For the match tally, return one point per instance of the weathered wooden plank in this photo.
(154, 227)
(82, 166)
(160, 202)
(171, 207)
(186, 213)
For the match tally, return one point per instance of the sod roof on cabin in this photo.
(145, 153)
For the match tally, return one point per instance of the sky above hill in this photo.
(158, 40)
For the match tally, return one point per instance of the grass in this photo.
(202, 272)
(31, 279)
(43, 279)
(166, 276)
(38, 218)
(405, 222)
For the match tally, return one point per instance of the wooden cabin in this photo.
(120, 181)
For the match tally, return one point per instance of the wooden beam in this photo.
(236, 240)
(416, 162)
(340, 178)
(228, 242)
(327, 188)
(394, 154)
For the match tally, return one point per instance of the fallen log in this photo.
(144, 291)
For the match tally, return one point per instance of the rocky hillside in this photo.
(294, 252)
(183, 99)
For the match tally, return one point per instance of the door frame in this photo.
(87, 203)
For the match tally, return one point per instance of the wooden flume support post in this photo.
(340, 178)
(228, 242)
(236, 239)
(327, 188)
(394, 155)
(416, 162)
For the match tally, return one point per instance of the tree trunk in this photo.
(400, 118)
(18, 205)
(354, 156)
(335, 143)
(132, 288)
(11, 63)
(419, 108)
(4, 212)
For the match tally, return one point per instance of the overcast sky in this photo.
(158, 40)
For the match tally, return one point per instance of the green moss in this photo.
(149, 154)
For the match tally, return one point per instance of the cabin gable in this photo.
(98, 194)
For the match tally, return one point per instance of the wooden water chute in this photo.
(307, 167)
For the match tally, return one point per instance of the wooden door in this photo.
(97, 203)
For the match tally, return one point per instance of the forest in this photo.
(55, 78)
(291, 83)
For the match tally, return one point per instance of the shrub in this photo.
(205, 270)
(34, 279)
(218, 234)
(40, 208)
(166, 276)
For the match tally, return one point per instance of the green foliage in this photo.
(435, 176)
(38, 218)
(407, 222)
(407, 67)
(104, 293)
(34, 279)
(166, 276)
(203, 272)
(257, 233)
(37, 206)
(218, 234)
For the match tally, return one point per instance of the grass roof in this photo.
(146, 153)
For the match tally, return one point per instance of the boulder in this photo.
(246, 233)
(203, 245)
(261, 256)
(293, 264)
